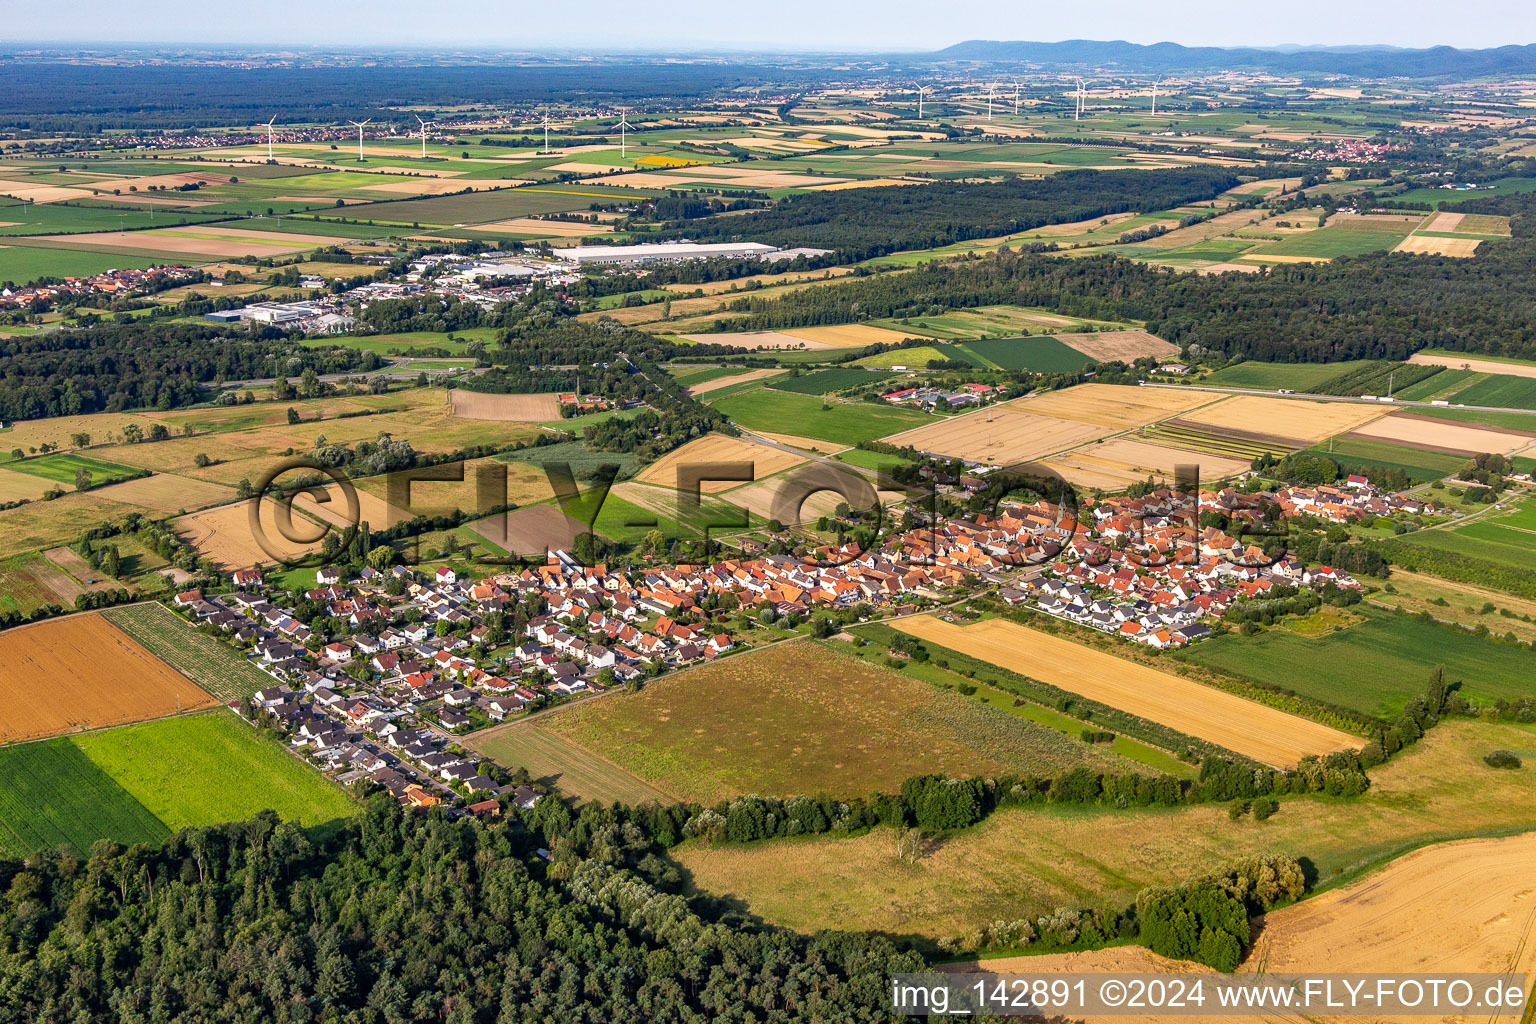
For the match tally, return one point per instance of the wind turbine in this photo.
(991, 90)
(269, 138)
(1154, 98)
(359, 137)
(546, 133)
(1015, 97)
(424, 126)
(920, 90)
(623, 126)
(1079, 115)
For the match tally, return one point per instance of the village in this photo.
(418, 657)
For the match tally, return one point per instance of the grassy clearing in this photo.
(807, 718)
(1354, 455)
(206, 769)
(55, 796)
(209, 662)
(560, 763)
(1331, 242)
(1025, 861)
(1374, 666)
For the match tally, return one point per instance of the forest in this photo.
(865, 222)
(1383, 306)
(399, 917)
(134, 366)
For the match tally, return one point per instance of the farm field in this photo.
(572, 770)
(823, 382)
(1330, 242)
(1437, 435)
(1373, 666)
(1357, 455)
(206, 769)
(1126, 346)
(1122, 461)
(1000, 435)
(1274, 376)
(702, 383)
(30, 581)
(779, 412)
(1500, 391)
(1110, 405)
(804, 718)
(211, 663)
(476, 405)
(1253, 730)
(61, 467)
(56, 796)
(224, 534)
(713, 449)
(81, 672)
(1031, 860)
(1477, 363)
(1039, 354)
(1292, 419)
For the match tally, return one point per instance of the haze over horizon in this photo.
(796, 26)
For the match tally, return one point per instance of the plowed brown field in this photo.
(83, 672)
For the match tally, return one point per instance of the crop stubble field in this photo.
(1251, 729)
(82, 672)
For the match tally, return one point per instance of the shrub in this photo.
(1264, 806)
(1501, 759)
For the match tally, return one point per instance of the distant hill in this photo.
(1361, 61)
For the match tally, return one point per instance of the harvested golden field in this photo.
(999, 435)
(1126, 346)
(713, 449)
(524, 485)
(82, 672)
(16, 486)
(804, 718)
(1109, 405)
(477, 405)
(1437, 246)
(847, 335)
(707, 386)
(1445, 222)
(1293, 418)
(1026, 861)
(1251, 729)
(1442, 435)
(1460, 362)
(1122, 461)
(755, 340)
(162, 493)
(1466, 907)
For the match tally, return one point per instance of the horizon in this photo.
(799, 27)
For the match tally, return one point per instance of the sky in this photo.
(781, 26)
